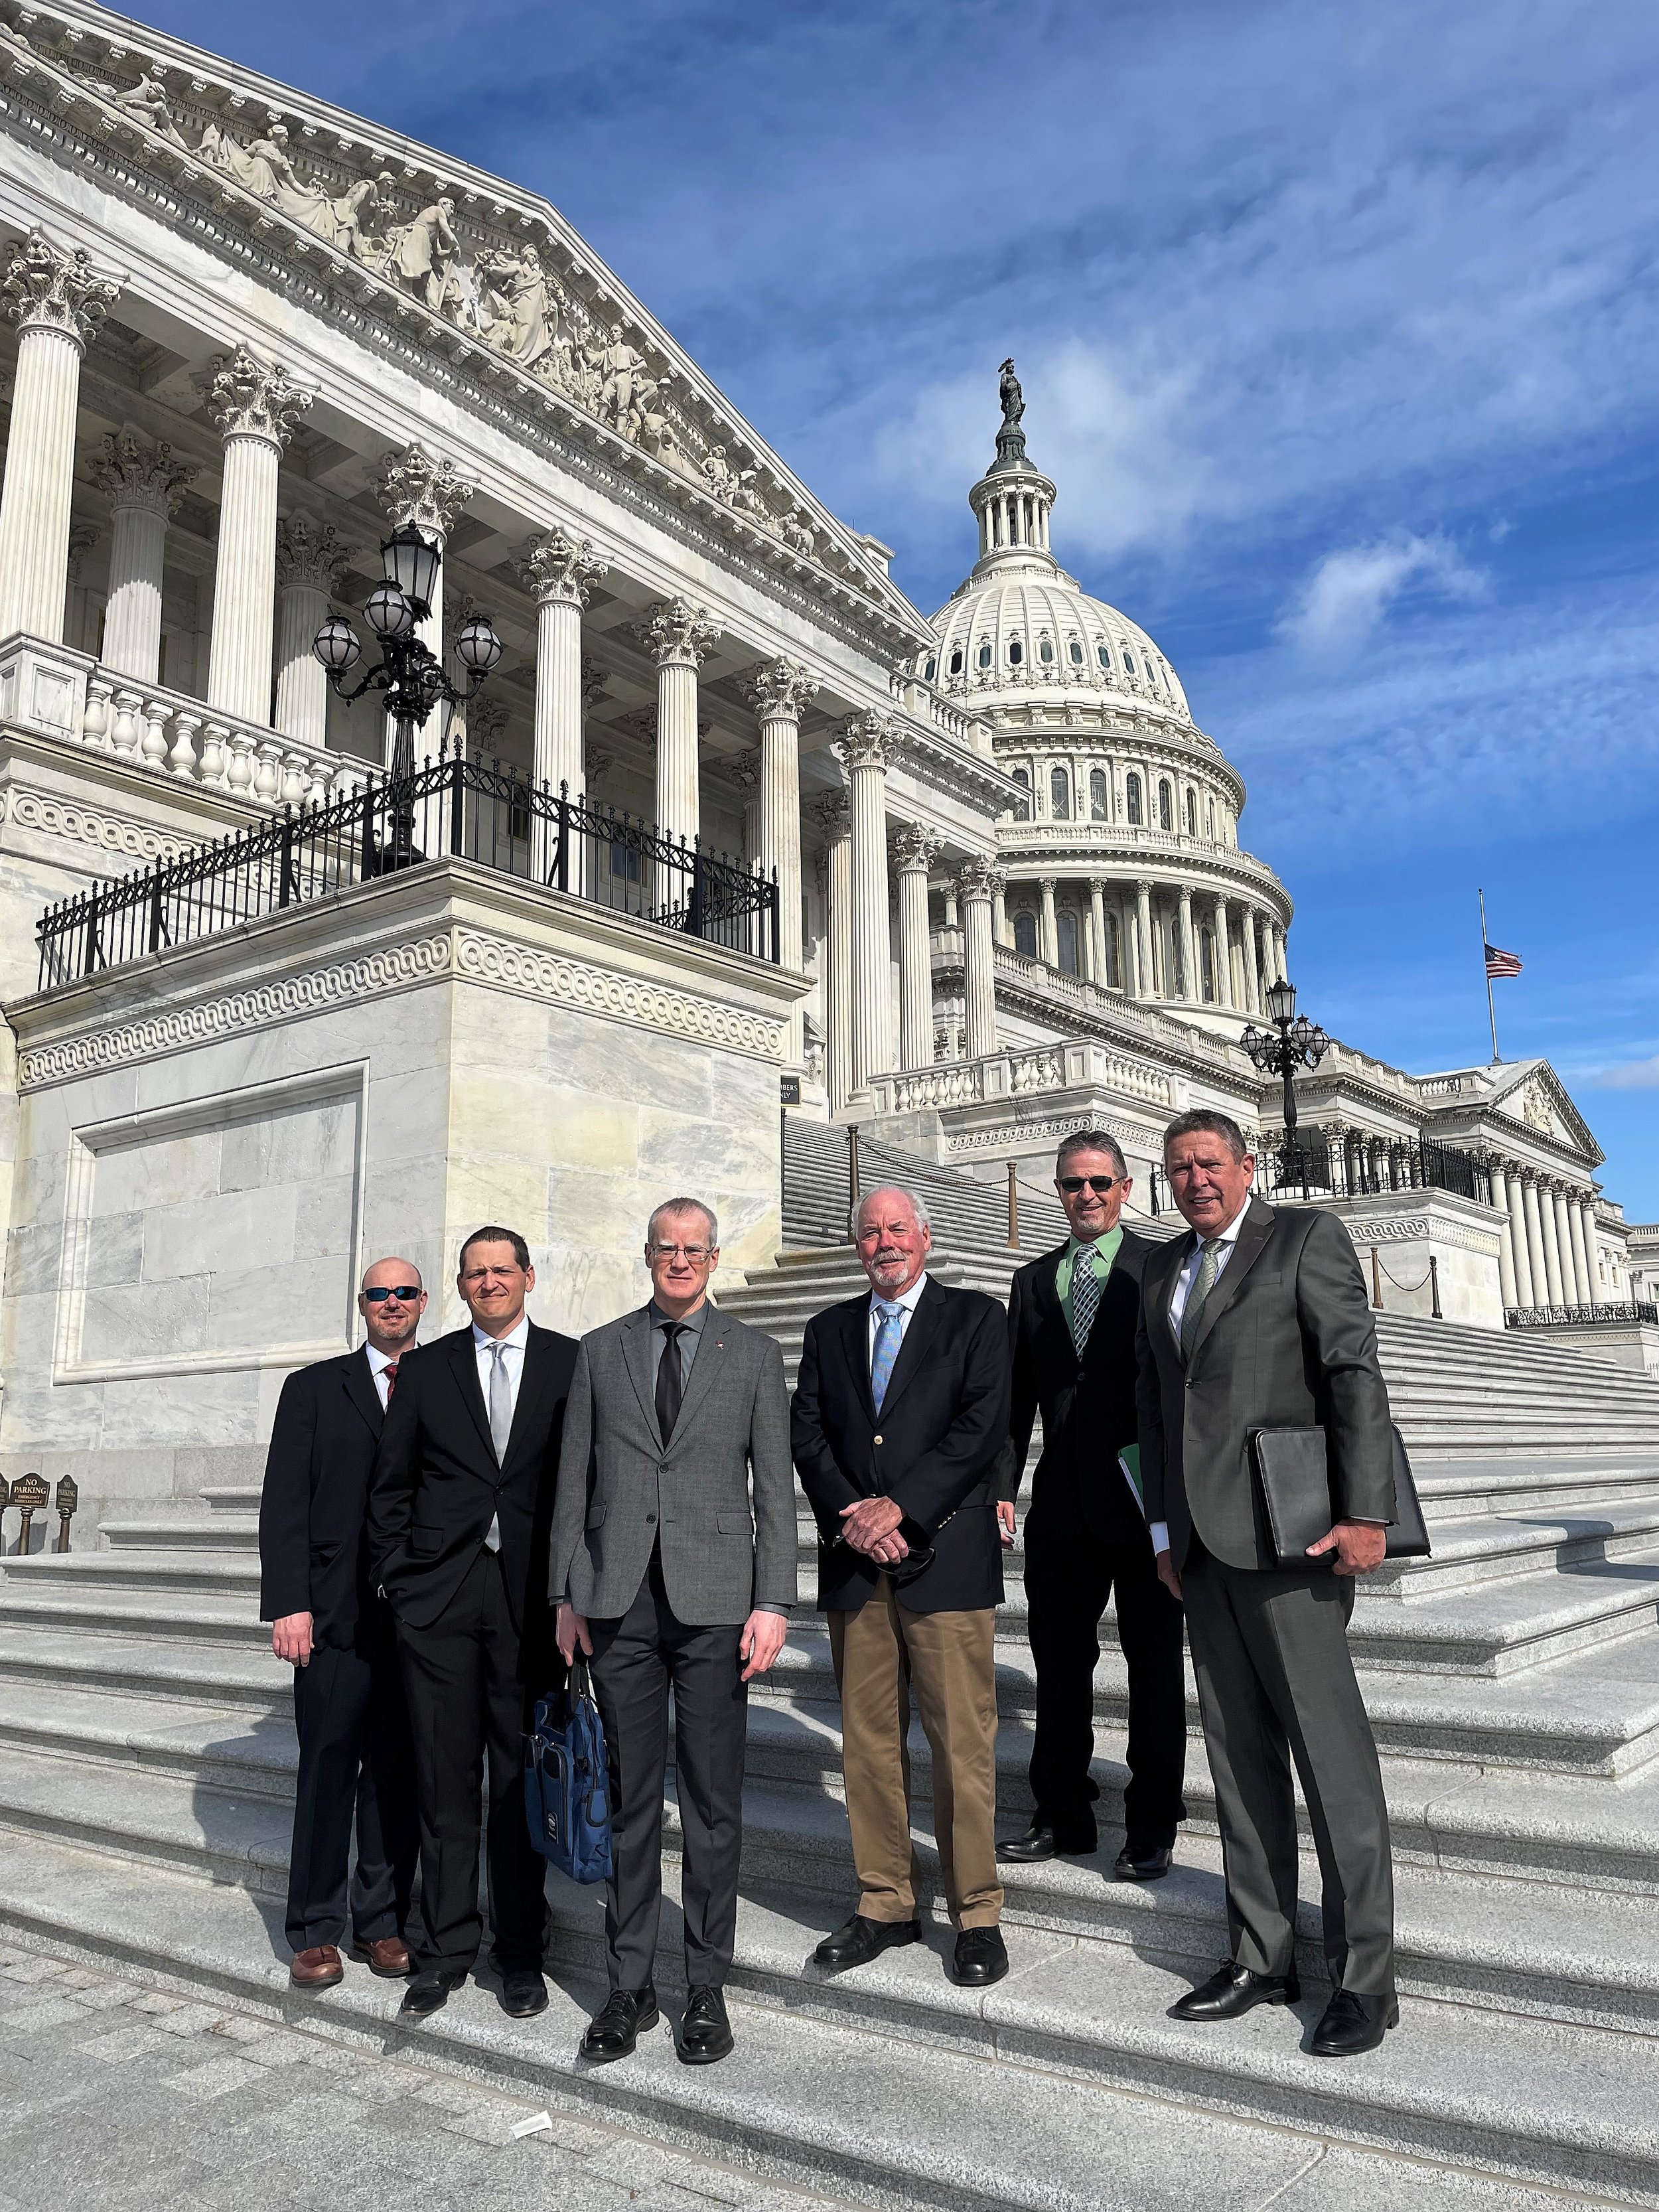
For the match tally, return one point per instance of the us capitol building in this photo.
(728, 809)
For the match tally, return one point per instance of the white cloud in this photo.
(1628, 1075)
(1350, 592)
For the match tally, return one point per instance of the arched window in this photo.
(932, 669)
(1077, 652)
(1131, 796)
(1096, 795)
(1022, 805)
(1046, 650)
(1026, 935)
(1165, 804)
(1129, 660)
(1114, 952)
(1192, 813)
(1103, 653)
(956, 662)
(1207, 962)
(1016, 653)
(1059, 795)
(1065, 933)
(985, 653)
(1209, 819)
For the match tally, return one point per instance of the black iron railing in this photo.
(450, 808)
(1322, 1164)
(1597, 1317)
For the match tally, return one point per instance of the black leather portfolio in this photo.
(1294, 1474)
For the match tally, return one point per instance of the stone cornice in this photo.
(1218, 870)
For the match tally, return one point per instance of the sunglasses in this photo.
(406, 1293)
(1099, 1184)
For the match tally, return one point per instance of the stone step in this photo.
(65, 1609)
(886, 2122)
(209, 1575)
(248, 1679)
(213, 1532)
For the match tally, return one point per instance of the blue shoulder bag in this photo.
(566, 1784)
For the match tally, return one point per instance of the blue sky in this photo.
(1338, 327)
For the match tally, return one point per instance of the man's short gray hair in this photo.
(1090, 1140)
(916, 1202)
(1205, 1121)
(683, 1206)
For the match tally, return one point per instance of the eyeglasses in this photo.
(405, 1292)
(696, 1253)
(1099, 1184)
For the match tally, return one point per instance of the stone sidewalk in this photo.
(123, 2097)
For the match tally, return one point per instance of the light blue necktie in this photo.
(888, 1335)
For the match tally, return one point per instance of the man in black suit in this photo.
(330, 1626)
(899, 1422)
(1260, 1319)
(1071, 1318)
(460, 1504)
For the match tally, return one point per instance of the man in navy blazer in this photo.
(900, 1417)
(336, 1633)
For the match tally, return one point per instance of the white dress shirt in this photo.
(513, 1347)
(1186, 1276)
(907, 1300)
(378, 1364)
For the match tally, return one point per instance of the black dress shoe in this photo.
(619, 2023)
(1135, 1863)
(981, 1956)
(862, 1940)
(1234, 1989)
(1351, 2023)
(705, 2032)
(1044, 1840)
(430, 1992)
(523, 1995)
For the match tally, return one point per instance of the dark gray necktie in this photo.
(670, 1382)
(1209, 1261)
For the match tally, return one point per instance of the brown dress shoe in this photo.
(318, 1968)
(385, 1956)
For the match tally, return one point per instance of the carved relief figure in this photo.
(148, 103)
(424, 251)
(625, 387)
(528, 308)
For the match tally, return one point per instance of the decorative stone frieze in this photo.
(248, 397)
(47, 288)
(558, 568)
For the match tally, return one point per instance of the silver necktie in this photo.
(1209, 1260)
(501, 1428)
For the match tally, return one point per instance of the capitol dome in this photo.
(1122, 862)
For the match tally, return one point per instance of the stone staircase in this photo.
(146, 1771)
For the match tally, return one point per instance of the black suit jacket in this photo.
(437, 1482)
(1286, 1341)
(1088, 1404)
(935, 1449)
(313, 1554)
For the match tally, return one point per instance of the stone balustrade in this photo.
(1012, 1075)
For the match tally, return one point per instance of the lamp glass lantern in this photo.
(335, 645)
(410, 560)
(389, 611)
(1281, 1001)
(477, 648)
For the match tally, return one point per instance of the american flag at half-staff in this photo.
(1499, 964)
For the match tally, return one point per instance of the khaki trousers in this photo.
(879, 1652)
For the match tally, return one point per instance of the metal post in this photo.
(366, 863)
(1376, 1281)
(783, 1169)
(456, 800)
(1434, 1286)
(852, 1179)
(285, 871)
(30, 1495)
(1013, 1205)
(561, 849)
(69, 1496)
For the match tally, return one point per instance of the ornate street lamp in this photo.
(1294, 1041)
(408, 673)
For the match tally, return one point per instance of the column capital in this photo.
(560, 570)
(744, 770)
(1184, 895)
(678, 635)
(866, 740)
(309, 554)
(49, 290)
(132, 471)
(1144, 889)
(422, 488)
(1048, 885)
(915, 849)
(248, 397)
(1098, 886)
(981, 878)
(832, 815)
(780, 690)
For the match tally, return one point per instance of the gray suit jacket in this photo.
(620, 1491)
(1285, 1342)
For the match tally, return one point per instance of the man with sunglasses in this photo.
(332, 1628)
(1071, 1318)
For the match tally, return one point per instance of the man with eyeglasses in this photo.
(330, 1625)
(1071, 1318)
(899, 1422)
(672, 1566)
(461, 1488)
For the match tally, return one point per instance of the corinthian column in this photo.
(916, 851)
(1587, 1224)
(1252, 972)
(1500, 1199)
(254, 408)
(680, 636)
(421, 487)
(309, 558)
(1188, 944)
(58, 304)
(144, 483)
(1050, 940)
(1581, 1266)
(1571, 1293)
(1520, 1256)
(780, 692)
(1223, 954)
(1100, 965)
(560, 570)
(865, 748)
(835, 819)
(1145, 977)
(980, 883)
(1542, 1294)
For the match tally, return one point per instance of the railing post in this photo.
(561, 849)
(777, 952)
(155, 911)
(90, 958)
(694, 912)
(366, 867)
(457, 801)
(285, 865)
(1013, 1205)
(1434, 1286)
(852, 1180)
(1376, 1281)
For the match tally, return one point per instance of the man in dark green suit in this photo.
(1259, 1320)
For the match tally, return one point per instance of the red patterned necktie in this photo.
(390, 1372)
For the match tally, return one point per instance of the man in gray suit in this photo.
(1259, 1320)
(661, 1571)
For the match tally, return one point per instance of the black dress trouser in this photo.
(354, 1762)
(464, 1679)
(637, 1661)
(1069, 1573)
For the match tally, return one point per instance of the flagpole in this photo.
(1492, 1010)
